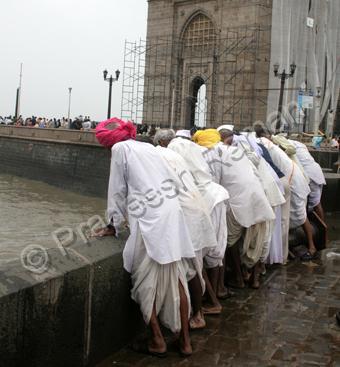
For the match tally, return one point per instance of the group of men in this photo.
(197, 206)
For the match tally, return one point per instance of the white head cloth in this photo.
(183, 134)
(226, 127)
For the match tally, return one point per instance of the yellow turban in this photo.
(207, 138)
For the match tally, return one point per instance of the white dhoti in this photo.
(276, 250)
(235, 230)
(214, 256)
(285, 213)
(157, 285)
(314, 197)
(253, 243)
(298, 211)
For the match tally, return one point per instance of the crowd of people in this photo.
(206, 210)
(78, 123)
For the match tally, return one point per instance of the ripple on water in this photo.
(31, 211)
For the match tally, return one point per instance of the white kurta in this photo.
(264, 171)
(313, 171)
(214, 195)
(142, 191)
(194, 207)
(195, 210)
(298, 184)
(248, 200)
(192, 154)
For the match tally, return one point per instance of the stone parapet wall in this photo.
(79, 167)
(56, 135)
(75, 313)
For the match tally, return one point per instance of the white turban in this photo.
(184, 134)
(226, 127)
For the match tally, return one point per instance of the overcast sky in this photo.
(65, 43)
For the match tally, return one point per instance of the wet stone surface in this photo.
(289, 321)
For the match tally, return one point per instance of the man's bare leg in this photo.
(214, 307)
(156, 343)
(319, 211)
(197, 320)
(184, 340)
(222, 290)
(308, 229)
(255, 276)
(236, 266)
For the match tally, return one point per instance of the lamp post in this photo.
(317, 110)
(69, 104)
(283, 76)
(110, 80)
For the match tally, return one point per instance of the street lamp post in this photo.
(69, 104)
(110, 80)
(283, 76)
(317, 110)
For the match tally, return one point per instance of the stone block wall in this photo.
(82, 168)
(235, 70)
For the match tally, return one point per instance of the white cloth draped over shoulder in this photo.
(194, 207)
(296, 179)
(142, 191)
(312, 169)
(192, 154)
(248, 200)
(269, 180)
(214, 194)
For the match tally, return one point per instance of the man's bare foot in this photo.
(254, 281)
(185, 348)
(212, 309)
(238, 283)
(312, 250)
(223, 293)
(197, 321)
(157, 345)
(103, 232)
(255, 284)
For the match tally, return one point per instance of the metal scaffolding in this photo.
(162, 77)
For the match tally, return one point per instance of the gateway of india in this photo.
(208, 62)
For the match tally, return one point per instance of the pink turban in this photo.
(124, 131)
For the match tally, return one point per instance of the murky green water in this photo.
(31, 211)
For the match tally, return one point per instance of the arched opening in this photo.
(197, 103)
(201, 107)
(198, 49)
(199, 33)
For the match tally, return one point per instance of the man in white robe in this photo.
(299, 189)
(249, 208)
(197, 218)
(316, 177)
(215, 197)
(273, 190)
(142, 192)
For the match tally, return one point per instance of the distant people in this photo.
(316, 141)
(334, 143)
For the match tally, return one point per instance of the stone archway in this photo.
(193, 107)
(197, 60)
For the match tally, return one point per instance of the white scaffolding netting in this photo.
(314, 49)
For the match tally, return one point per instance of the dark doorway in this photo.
(192, 101)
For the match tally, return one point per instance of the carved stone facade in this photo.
(222, 44)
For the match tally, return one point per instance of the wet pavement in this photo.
(289, 321)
